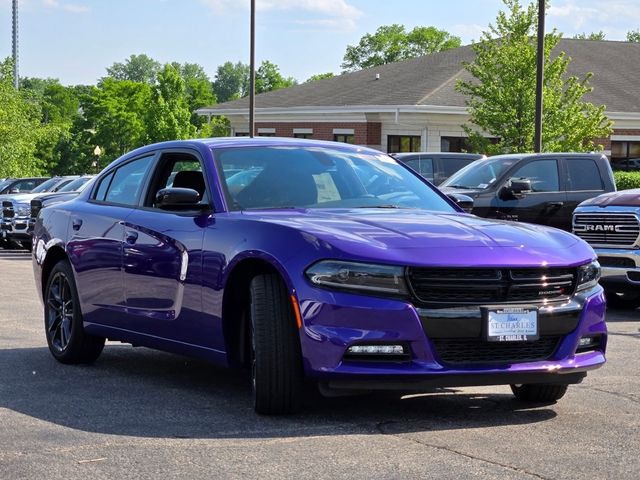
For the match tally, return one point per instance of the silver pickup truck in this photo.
(610, 223)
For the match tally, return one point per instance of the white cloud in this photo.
(68, 7)
(334, 13)
(580, 13)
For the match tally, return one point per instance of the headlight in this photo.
(363, 277)
(588, 275)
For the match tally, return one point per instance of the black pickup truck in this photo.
(541, 188)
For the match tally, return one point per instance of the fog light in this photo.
(376, 350)
(586, 342)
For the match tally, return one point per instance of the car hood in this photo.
(625, 198)
(18, 197)
(431, 238)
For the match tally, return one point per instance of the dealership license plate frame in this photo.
(510, 315)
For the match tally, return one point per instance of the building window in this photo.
(344, 138)
(303, 135)
(242, 134)
(625, 155)
(266, 134)
(460, 144)
(403, 143)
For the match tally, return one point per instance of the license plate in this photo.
(511, 324)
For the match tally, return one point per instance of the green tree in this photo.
(319, 76)
(116, 113)
(268, 78)
(392, 43)
(501, 95)
(232, 81)
(169, 115)
(633, 36)
(590, 36)
(198, 90)
(20, 128)
(137, 68)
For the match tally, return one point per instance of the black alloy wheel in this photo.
(64, 329)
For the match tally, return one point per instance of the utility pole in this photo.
(252, 73)
(16, 78)
(537, 139)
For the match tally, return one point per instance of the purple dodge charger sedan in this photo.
(331, 263)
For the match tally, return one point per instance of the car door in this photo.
(162, 254)
(95, 241)
(584, 180)
(543, 204)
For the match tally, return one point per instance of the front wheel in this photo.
(276, 360)
(623, 300)
(67, 340)
(534, 392)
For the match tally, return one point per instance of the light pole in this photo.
(252, 72)
(537, 139)
(96, 163)
(14, 46)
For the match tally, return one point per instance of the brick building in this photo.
(413, 105)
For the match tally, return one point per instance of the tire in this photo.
(626, 300)
(276, 360)
(541, 392)
(64, 329)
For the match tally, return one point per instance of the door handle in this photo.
(130, 237)
(555, 204)
(76, 223)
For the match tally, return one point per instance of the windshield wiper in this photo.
(460, 186)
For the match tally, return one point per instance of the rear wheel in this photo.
(276, 360)
(63, 323)
(542, 392)
(626, 300)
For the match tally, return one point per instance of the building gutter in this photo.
(396, 110)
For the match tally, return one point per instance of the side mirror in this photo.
(175, 198)
(516, 188)
(463, 201)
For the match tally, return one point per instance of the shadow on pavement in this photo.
(140, 392)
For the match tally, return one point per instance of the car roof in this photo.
(405, 155)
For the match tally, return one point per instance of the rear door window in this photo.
(583, 175)
(125, 184)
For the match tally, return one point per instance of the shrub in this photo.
(627, 180)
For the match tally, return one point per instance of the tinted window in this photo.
(312, 177)
(75, 185)
(27, 185)
(542, 173)
(451, 165)
(127, 182)
(422, 165)
(584, 175)
(480, 174)
(103, 187)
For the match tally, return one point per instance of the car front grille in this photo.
(607, 229)
(469, 286)
(467, 351)
(616, 262)
(7, 209)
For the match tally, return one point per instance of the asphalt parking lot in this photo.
(143, 414)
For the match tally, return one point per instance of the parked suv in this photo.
(610, 223)
(16, 210)
(437, 166)
(20, 185)
(541, 188)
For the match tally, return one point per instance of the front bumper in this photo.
(620, 269)
(16, 228)
(333, 321)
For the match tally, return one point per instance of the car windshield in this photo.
(4, 183)
(75, 185)
(278, 177)
(46, 185)
(480, 174)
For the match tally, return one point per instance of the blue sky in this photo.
(75, 40)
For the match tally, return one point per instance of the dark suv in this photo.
(437, 166)
(541, 188)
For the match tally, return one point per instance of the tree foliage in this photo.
(590, 36)
(137, 68)
(501, 95)
(392, 43)
(232, 81)
(20, 128)
(319, 76)
(633, 36)
(268, 78)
